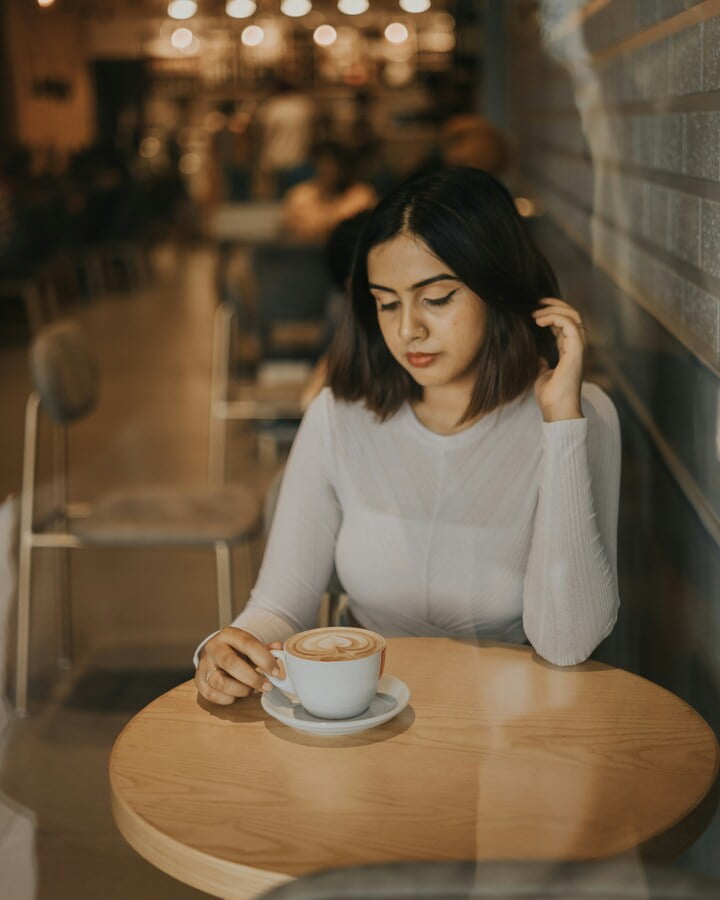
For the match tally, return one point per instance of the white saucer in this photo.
(392, 697)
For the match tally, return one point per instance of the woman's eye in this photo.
(441, 301)
(387, 307)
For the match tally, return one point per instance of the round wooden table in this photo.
(499, 755)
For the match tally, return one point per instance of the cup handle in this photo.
(283, 683)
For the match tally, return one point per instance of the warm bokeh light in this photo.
(182, 9)
(525, 207)
(295, 8)
(415, 6)
(443, 21)
(252, 36)
(325, 35)
(353, 7)
(437, 41)
(240, 9)
(45, 3)
(181, 38)
(396, 33)
(149, 147)
(190, 164)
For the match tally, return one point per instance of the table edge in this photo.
(188, 865)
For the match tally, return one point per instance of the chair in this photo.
(470, 880)
(292, 284)
(291, 287)
(38, 296)
(65, 377)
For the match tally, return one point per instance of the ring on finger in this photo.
(208, 675)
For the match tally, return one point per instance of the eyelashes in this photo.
(441, 301)
(436, 301)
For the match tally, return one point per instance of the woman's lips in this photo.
(421, 360)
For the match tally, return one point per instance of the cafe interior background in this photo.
(611, 109)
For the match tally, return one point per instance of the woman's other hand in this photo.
(228, 666)
(557, 390)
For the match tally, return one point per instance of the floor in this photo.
(138, 616)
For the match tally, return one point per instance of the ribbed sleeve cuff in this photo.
(263, 625)
(567, 433)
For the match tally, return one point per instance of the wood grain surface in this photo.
(500, 755)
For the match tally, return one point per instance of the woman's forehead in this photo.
(405, 257)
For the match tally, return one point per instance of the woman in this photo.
(457, 471)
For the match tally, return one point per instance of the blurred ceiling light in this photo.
(295, 8)
(352, 7)
(240, 9)
(415, 6)
(396, 33)
(252, 36)
(45, 3)
(181, 38)
(325, 35)
(182, 9)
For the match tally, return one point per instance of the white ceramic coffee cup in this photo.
(327, 689)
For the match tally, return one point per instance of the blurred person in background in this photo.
(470, 140)
(230, 156)
(313, 208)
(473, 141)
(286, 125)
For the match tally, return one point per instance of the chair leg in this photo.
(65, 618)
(218, 450)
(23, 628)
(223, 560)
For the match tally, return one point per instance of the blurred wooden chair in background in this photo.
(287, 314)
(65, 377)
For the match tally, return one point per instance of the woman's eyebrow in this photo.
(413, 287)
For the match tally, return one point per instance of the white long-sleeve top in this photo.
(503, 531)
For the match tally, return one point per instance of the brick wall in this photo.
(615, 112)
(618, 130)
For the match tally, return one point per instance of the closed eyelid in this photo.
(442, 299)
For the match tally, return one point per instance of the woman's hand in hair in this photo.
(557, 390)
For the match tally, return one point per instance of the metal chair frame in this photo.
(257, 407)
(62, 540)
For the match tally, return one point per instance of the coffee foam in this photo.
(334, 644)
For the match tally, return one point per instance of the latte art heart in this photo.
(334, 644)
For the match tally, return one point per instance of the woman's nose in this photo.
(411, 325)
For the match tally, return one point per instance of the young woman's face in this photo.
(432, 323)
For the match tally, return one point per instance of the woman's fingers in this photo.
(223, 674)
(557, 303)
(561, 322)
(248, 646)
(218, 688)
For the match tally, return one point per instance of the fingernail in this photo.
(266, 687)
(276, 672)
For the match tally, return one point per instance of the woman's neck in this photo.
(440, 408)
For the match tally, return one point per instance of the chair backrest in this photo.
(64, 372)
(292, 283)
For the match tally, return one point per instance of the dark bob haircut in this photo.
(468, 220)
